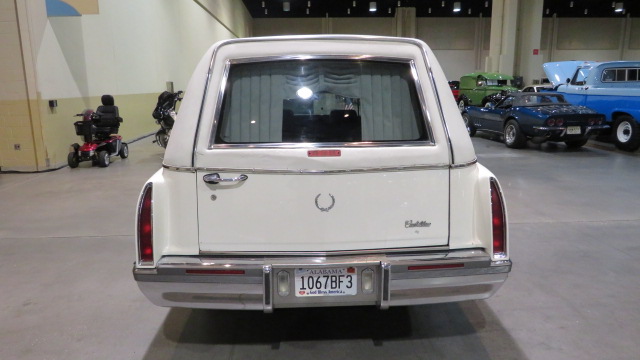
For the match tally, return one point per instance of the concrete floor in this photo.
(66, 290)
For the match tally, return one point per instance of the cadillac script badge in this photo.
(414, 224)
(325, 209)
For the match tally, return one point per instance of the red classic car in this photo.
(455, 89)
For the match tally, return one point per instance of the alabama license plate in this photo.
(573, 130)
(326, 281)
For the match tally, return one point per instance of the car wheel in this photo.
(162, 138)
(513, 136)
(575, 144)
(124, 151)
(103, 158)
(471, 129)
(462, 103)
(73, 160)
(626, 133)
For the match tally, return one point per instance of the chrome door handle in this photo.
(215, 178)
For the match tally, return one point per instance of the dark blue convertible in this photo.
(538, 117)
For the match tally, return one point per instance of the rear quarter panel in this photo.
(471, 209)
(175, 225)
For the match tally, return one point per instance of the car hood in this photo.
(562, 110)
(559, 72)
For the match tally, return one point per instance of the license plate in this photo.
(573, 130)
(326, 282)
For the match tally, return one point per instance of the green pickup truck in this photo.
(475, 87)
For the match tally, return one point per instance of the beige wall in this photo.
(297, 26)
(363, 26)
(275, 27)
(130, 50)
(133, 47)
(462, 44)
(597, 39)
(459, 44)
(16, 134)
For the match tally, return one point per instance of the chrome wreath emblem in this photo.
(325, 209)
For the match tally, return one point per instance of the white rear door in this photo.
(322, 155)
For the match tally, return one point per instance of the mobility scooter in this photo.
(165, 115)
(99, 131)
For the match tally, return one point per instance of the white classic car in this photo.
(319, 171)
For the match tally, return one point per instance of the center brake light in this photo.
(145, 226)
(324, 153)
(498, 220)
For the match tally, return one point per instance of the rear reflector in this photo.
(324, 153)
(283, 283)
(145, 226)
(436, 266)
(368, 281)
(215, 272)
(498, 220)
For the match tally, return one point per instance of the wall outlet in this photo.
(16, 147)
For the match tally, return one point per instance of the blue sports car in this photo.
(538, 117)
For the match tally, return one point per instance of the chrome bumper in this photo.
(560, 131)
(250, 283)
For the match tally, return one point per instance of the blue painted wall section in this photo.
(60, 8)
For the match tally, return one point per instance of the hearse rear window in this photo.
(318, 101)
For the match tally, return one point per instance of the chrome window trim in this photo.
(464, 165)
(418, 88)
(438, 102)
(190, 169)
(318, 57)
(204, 99)
(298, 146)
(324, 254)
(322, 172)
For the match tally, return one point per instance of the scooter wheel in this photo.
(103, 158)
(73, 160)
(162, 138)
(124, 151)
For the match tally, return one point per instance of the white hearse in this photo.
(315, 171)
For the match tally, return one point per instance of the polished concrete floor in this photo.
(66, 290)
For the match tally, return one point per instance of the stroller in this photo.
(165, 115)
(99, 131)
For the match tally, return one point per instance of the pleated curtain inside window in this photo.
(253, 109)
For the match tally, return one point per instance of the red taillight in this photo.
(145, 226)
(551, 122)
(498, 220)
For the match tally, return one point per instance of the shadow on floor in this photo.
(443, 331)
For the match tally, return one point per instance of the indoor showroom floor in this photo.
(66, 290)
